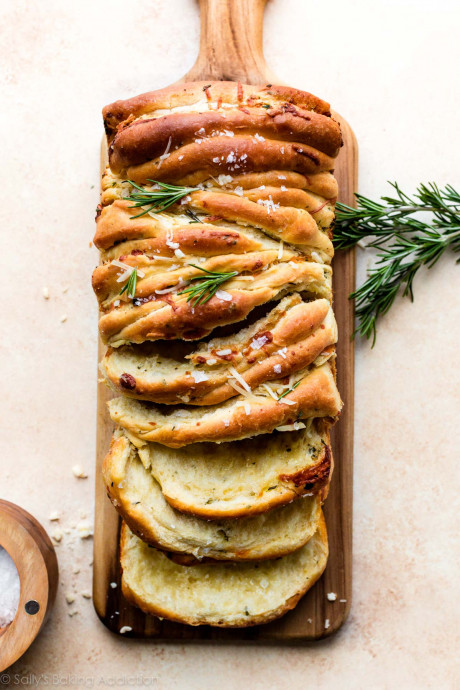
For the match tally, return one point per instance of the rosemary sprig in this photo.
(130, 286)
(193, 216)
(209, 283)
(409, 232)
(289, 390)
(157, 200)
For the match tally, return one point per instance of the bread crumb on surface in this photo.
(326, 623)
(79, 472)
(55, 515)
(63, 318)
(332, 596)
(125, 629)
(70, 597)
(86, 594)
(84, 530)
(113, 585)
(73, 613)
(46, 293)
(57, 535)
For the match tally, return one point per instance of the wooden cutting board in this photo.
(231, 48)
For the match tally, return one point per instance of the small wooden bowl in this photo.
(33, 554)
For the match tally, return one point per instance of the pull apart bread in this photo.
(214, 287)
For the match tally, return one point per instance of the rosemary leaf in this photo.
(289, 390)
(409, 232)
(157, 200)
(130, 286)
(208, 284)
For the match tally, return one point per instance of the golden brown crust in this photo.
(227, 92)
(315, 395)
(230, 155)
(145, 139)
(154, 315)
(302, 331)
(277, 218)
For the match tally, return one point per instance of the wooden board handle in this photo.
(231, 42)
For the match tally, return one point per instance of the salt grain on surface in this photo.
(9, 588)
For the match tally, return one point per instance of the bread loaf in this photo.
(215, 294)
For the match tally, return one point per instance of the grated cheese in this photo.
(127, 270)
(166, 154)
(173, 288)
(240, 379)
(291, 427)
(222, 353)
(269, 391)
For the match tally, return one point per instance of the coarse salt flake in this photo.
(224, 296)
(9, 588)
(257, 343)
(199, 376)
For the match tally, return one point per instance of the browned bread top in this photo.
(228, 92)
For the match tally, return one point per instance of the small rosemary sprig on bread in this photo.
(130, 286)
(159, 199)
(409, 232)
(289, 390)
(208, 285)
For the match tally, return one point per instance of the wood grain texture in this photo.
(231, 48)
(33, 554)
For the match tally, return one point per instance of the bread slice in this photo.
(243, 478)
(138, 498)
(312, 393)
(154, 315)
(286, 340)
(229, 595)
